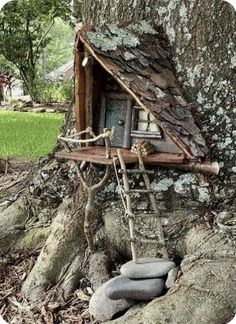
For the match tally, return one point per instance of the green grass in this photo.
(28, 135)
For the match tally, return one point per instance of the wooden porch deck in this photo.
(97, 155)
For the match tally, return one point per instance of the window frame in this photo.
(135, 133)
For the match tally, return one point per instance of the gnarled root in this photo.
(12, 220)
(62, 255)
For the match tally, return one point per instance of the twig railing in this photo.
(90, 208)
(107, 133)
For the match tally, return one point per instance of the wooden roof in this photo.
(138, 57)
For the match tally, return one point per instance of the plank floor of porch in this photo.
(97, 155)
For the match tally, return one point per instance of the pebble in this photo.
(147, 268)
(172, 275)
(103, 308)
(139, 289)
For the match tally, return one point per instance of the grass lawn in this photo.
(29, 135)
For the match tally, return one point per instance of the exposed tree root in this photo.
(12, 220)
(205, 293)
(61, 254)
(98, 269)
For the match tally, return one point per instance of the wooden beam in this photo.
(127, 132)
(197, 167)
(97, 154)
(79, 89)
(89, 89)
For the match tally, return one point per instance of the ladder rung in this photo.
(127, 192)
(149, 241)
(136, 171)
(146, 215)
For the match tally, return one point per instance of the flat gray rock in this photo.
(138, 289)
(103, 308)
(147, 268)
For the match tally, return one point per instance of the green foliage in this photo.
(24, 29)
(60, 46)
(64, 91)
(29, 135)
(5, 65)
(53, 92)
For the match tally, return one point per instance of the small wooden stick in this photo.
(107, 143)
(108, 134)
(129, 207)
(92, 190)
(91, 206)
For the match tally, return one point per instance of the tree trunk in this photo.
(203, 42)
(28, 76)
(202, 38)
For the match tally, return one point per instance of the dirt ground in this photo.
(14, 268)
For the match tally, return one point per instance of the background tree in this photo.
(24, 29)
(59, 49)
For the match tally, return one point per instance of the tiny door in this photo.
(116, 112)
(115, 116)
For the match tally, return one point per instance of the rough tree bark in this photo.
(202, 36)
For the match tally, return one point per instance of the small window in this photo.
(144, 125)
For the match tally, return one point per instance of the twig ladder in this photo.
(128, 206)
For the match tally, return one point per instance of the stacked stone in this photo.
(142, 281)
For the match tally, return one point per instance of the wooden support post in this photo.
(89, 211)
(79, 89)
(107, 141)
(89, 89)
(91, 206)
(92, 190)
(127, 138)
(129, 207)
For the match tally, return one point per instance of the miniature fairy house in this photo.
(126, 79)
